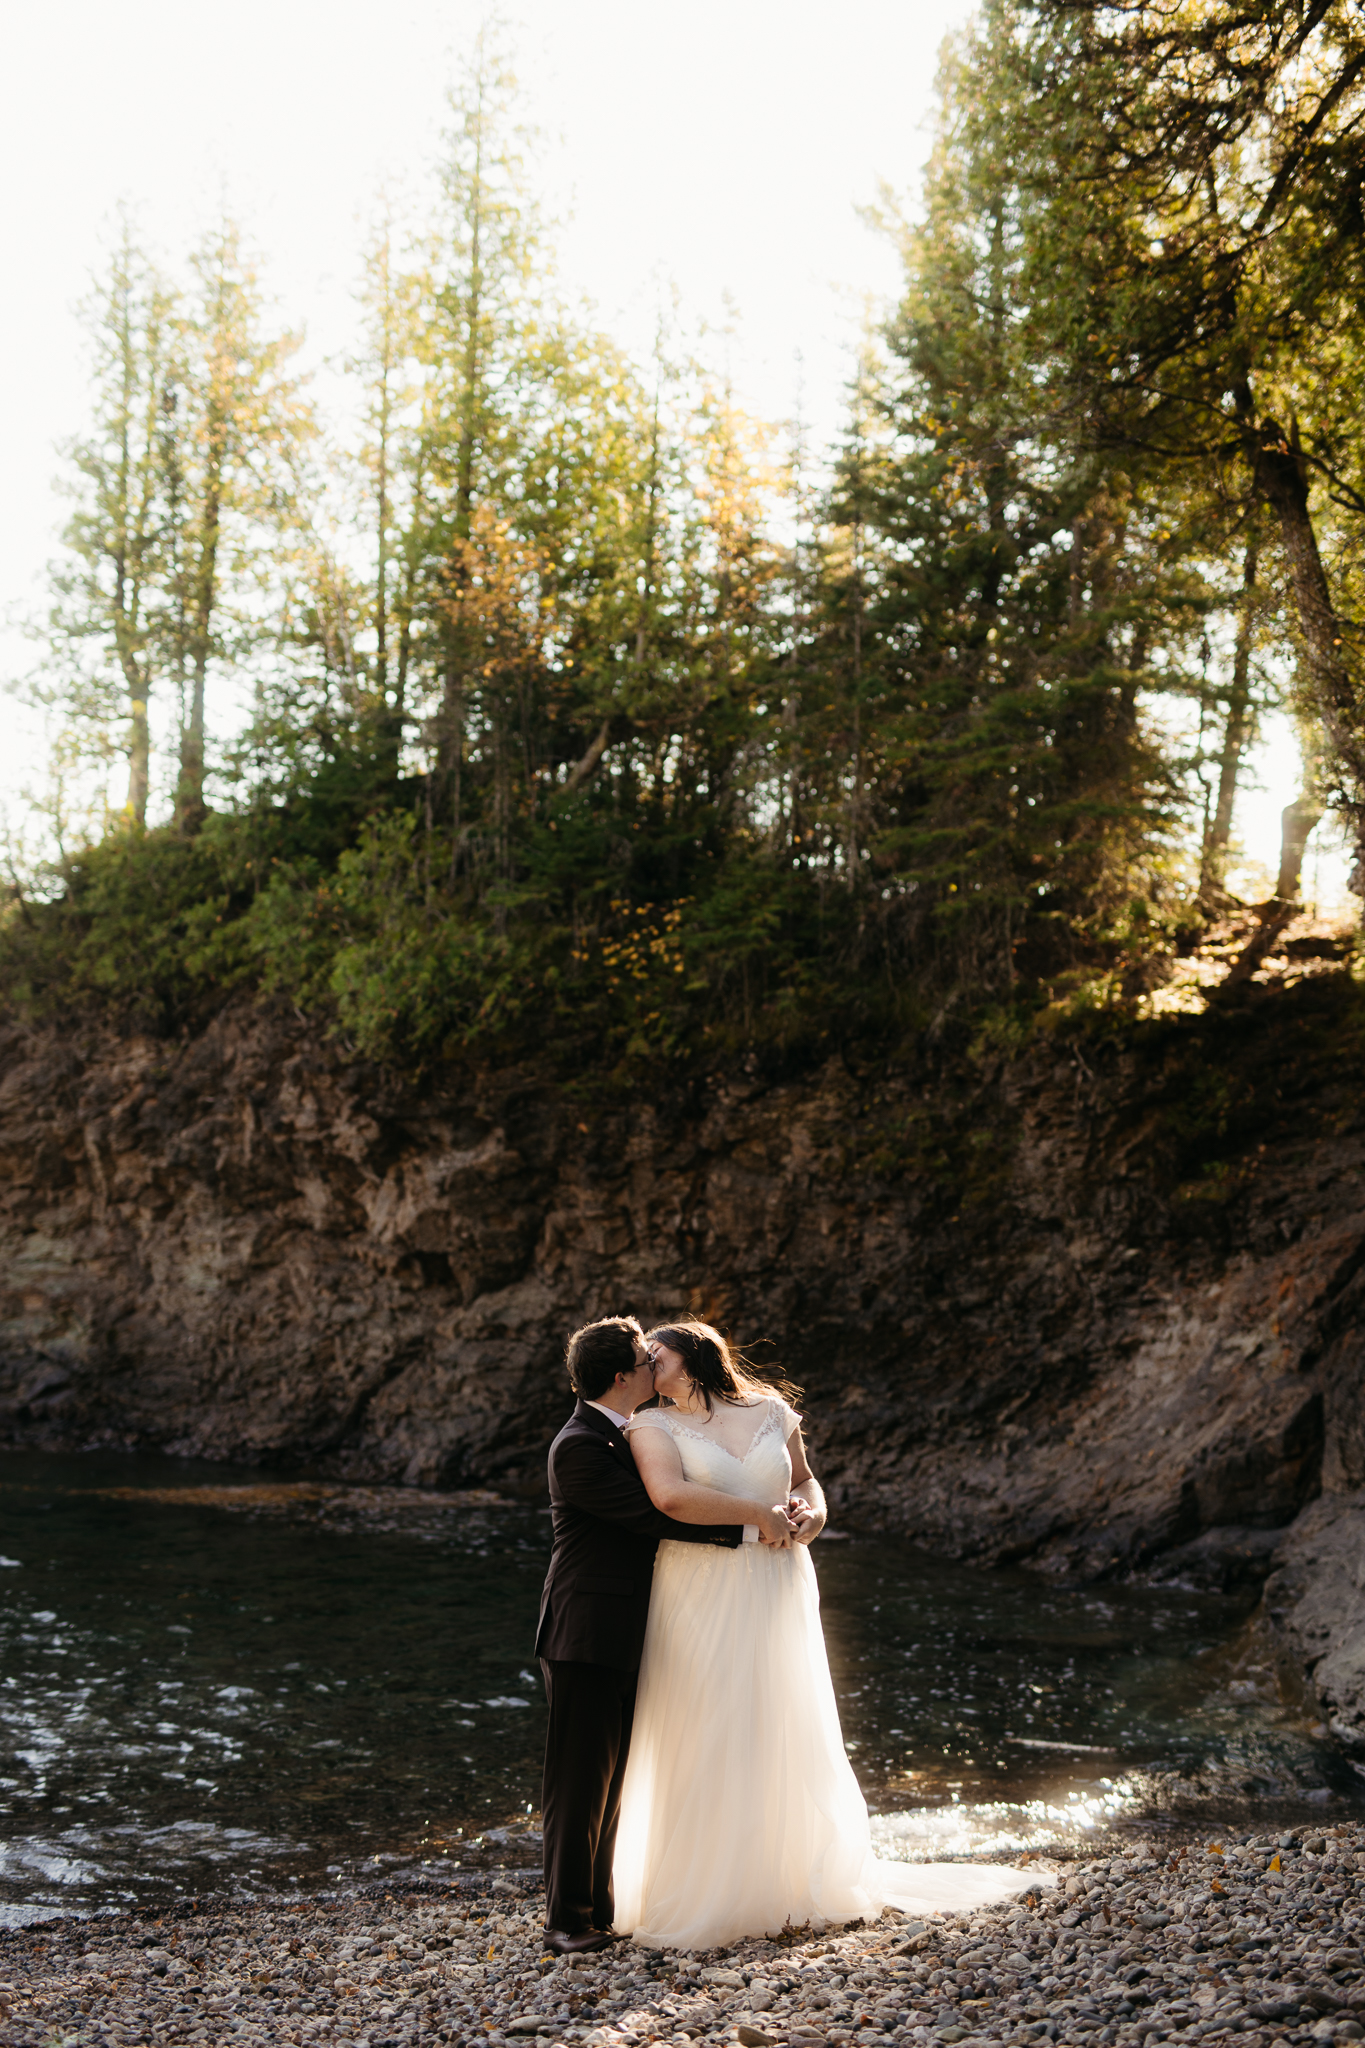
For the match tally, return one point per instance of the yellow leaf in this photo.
(1214, 1849)
(1274, 1863)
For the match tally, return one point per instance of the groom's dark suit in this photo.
(592, 1630)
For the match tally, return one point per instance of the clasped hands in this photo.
(797, 1522)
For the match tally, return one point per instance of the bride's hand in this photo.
(775, 1527)
(807, 1521)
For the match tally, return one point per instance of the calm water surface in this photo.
(214, 1679)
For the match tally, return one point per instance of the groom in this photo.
(592, 1624)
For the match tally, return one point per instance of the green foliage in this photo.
(362, 939)
(557, 739)
(138, 926)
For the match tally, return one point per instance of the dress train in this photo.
(740, 1811)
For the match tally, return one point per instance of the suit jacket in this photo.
(606, 1531)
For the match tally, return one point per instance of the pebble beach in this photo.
(1258, 1937)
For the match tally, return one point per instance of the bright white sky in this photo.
(723, 146)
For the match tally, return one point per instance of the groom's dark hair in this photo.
(598, 1351)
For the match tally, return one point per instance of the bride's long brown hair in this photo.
(716, 1371)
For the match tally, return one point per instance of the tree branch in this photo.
(582, 771)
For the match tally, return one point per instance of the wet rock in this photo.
(1315, 1602)
(1219, 1561)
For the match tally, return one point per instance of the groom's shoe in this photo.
(561, 1944)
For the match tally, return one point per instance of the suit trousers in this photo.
(592, 1707)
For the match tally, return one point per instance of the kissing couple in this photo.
(697, 1788)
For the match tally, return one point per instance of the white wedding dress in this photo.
(740, 1811)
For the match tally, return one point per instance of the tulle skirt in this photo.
(740, 1813)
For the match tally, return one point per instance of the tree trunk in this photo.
(473, 368)
(1281, 481)
(451, 739)
(648, 550)
(853, 852)
(1296, 822)
(997, 473)
(127, 615)
(170, 455)
(398, 708)
(584, 768)
(404, 610)
(450, 763)
(190, 796)
(381, 588)
(129, 557)
(139, 760)
(390, 711)
(1234, 736)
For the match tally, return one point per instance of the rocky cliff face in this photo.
(1315, 1603)
(1097, 1307)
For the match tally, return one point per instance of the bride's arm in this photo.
(660, 1466)
(807, 1486)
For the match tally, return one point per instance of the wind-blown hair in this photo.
(716, 1371)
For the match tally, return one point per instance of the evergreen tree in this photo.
(997, 601)
(1197, 254)
(110, 627)
(235, 424)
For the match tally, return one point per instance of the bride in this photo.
(740, 1811)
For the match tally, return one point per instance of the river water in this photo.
(215, 1679)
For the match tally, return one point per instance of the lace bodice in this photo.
(742, 1449)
